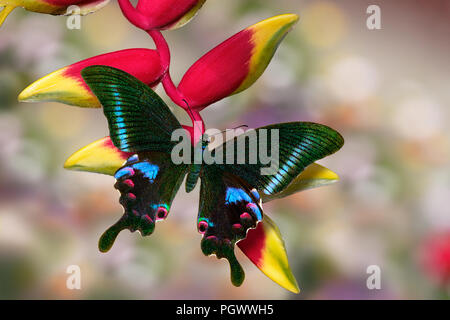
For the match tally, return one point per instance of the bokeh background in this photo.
(387, 91)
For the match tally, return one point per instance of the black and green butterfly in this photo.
(230, 204)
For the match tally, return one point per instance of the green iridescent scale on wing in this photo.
(300, 144)
(138, 118)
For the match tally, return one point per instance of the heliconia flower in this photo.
(236, 64)
(160, 14)
(53, 7)
(67, 86)
(264, 245)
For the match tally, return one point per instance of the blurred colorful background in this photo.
(387, 91)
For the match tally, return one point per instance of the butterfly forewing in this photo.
(138, 118)
(299, 144)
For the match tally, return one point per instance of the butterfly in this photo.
(230, 193)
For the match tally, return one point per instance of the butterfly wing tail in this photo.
(109, 236)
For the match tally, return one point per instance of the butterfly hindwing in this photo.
(147, 183)
(138, 118)
(228, 209)
(299, 145)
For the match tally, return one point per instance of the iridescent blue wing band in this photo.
(299, 143)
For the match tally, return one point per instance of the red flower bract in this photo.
(67, 86)
(160, 14)
(236, 63)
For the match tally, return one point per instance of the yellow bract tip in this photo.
(316, 171)
(266, 37)
(275, 262)
(5, 11)
(188, 16)
(100, 157)
(59, 87)
(313, 176)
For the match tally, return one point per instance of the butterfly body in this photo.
(196, 167)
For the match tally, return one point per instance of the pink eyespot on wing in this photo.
(237, 227)
(129, 183)
(131, 196)
(213, 240)
(161, 213)
(202, 227)
(246, 216)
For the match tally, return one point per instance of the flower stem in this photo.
(133, 15)
(164, 53)
(140, 21)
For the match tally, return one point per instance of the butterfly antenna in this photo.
(241, 126)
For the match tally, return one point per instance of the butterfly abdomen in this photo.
(192, 177)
